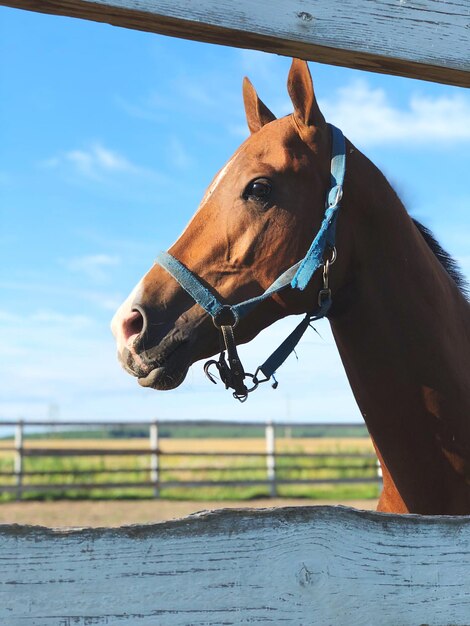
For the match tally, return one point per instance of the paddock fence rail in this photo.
(302, 566)
(426, 39)
(30, 464)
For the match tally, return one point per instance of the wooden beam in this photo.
(425, 39)
(307, 565)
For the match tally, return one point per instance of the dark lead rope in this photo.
(226, 316)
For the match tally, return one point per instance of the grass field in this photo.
(178, 467)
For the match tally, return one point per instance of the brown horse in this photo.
(399, 315)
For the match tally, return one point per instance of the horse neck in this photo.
(402, 329)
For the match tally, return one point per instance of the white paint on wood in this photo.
(327, 566)
(154, 458)
(18, 458)
(271, 457)
(426, 39)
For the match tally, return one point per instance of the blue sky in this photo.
(109, 138)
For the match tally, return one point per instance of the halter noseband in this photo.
(226, 316)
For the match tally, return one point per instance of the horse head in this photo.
(260, 247)
(256, 220)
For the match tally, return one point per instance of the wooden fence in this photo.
(280, 468)
(426, 39)
(329, 566)
(301, 566)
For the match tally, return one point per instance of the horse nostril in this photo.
(134, 325)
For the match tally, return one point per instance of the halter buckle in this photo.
(337, 198)
(254, 380)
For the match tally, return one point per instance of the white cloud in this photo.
(48, 317)
(93, 266)
(179, 155)
(50, 356)
(159, 107)
(95, 162)
(98, 159)
(134, 250)
(63, 359)
(194, 91)
(45, 317)
(107, 301)
(368, 117)
(151, 109)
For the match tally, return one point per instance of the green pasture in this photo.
(130, 469)
(195, 431)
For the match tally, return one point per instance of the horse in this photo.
(396, 302)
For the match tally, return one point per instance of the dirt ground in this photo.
(119, 512)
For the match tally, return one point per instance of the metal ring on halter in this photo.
(326, 268)
(333, 256)
(222, 317)
(326, 276)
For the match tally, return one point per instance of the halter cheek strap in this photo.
(298, 276)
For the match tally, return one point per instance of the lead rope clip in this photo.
(230, 370)
(324, 295)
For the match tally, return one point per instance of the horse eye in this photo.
(259, 189)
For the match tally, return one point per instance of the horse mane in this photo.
(445, 259)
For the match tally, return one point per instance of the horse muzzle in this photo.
(163, 367)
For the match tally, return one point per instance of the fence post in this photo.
(379, 471)
(154, 458)
(271, 458)
(18, 461)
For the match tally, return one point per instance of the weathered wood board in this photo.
(328, 566)
(427, 39)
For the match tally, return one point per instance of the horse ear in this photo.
(300, 88)
(257, 113)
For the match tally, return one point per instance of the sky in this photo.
(109, 139)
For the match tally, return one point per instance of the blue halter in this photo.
(226, 316)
